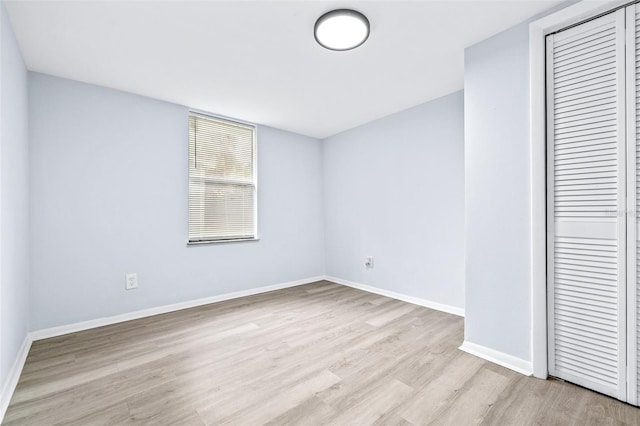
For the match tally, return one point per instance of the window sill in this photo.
(238, 240)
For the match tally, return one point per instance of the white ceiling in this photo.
(257, 60)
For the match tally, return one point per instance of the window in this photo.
(222, 180)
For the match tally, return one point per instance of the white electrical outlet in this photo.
(131, 281)
(368, 262)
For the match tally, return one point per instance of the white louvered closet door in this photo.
(586, 204)
(633, 201)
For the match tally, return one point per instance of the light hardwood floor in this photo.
(314, 354)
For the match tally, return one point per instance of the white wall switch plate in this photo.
(131, 281)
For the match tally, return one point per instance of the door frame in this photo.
(538, 30)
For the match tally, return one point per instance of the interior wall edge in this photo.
(14, 211)
(14, 375)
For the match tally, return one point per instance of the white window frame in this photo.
(198, 113)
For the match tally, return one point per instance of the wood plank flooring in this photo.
(309, 355)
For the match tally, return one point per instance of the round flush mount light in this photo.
(342, 29)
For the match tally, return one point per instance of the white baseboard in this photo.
(100, 322)
(86, 325)
(509, 361)
(14, 375)
(410, 299)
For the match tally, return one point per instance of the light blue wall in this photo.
(394, 190)
(14, 207)
(109, 196)
(497, 193)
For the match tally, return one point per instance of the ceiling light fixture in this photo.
(342, 29)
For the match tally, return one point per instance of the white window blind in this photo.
(222, 180)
